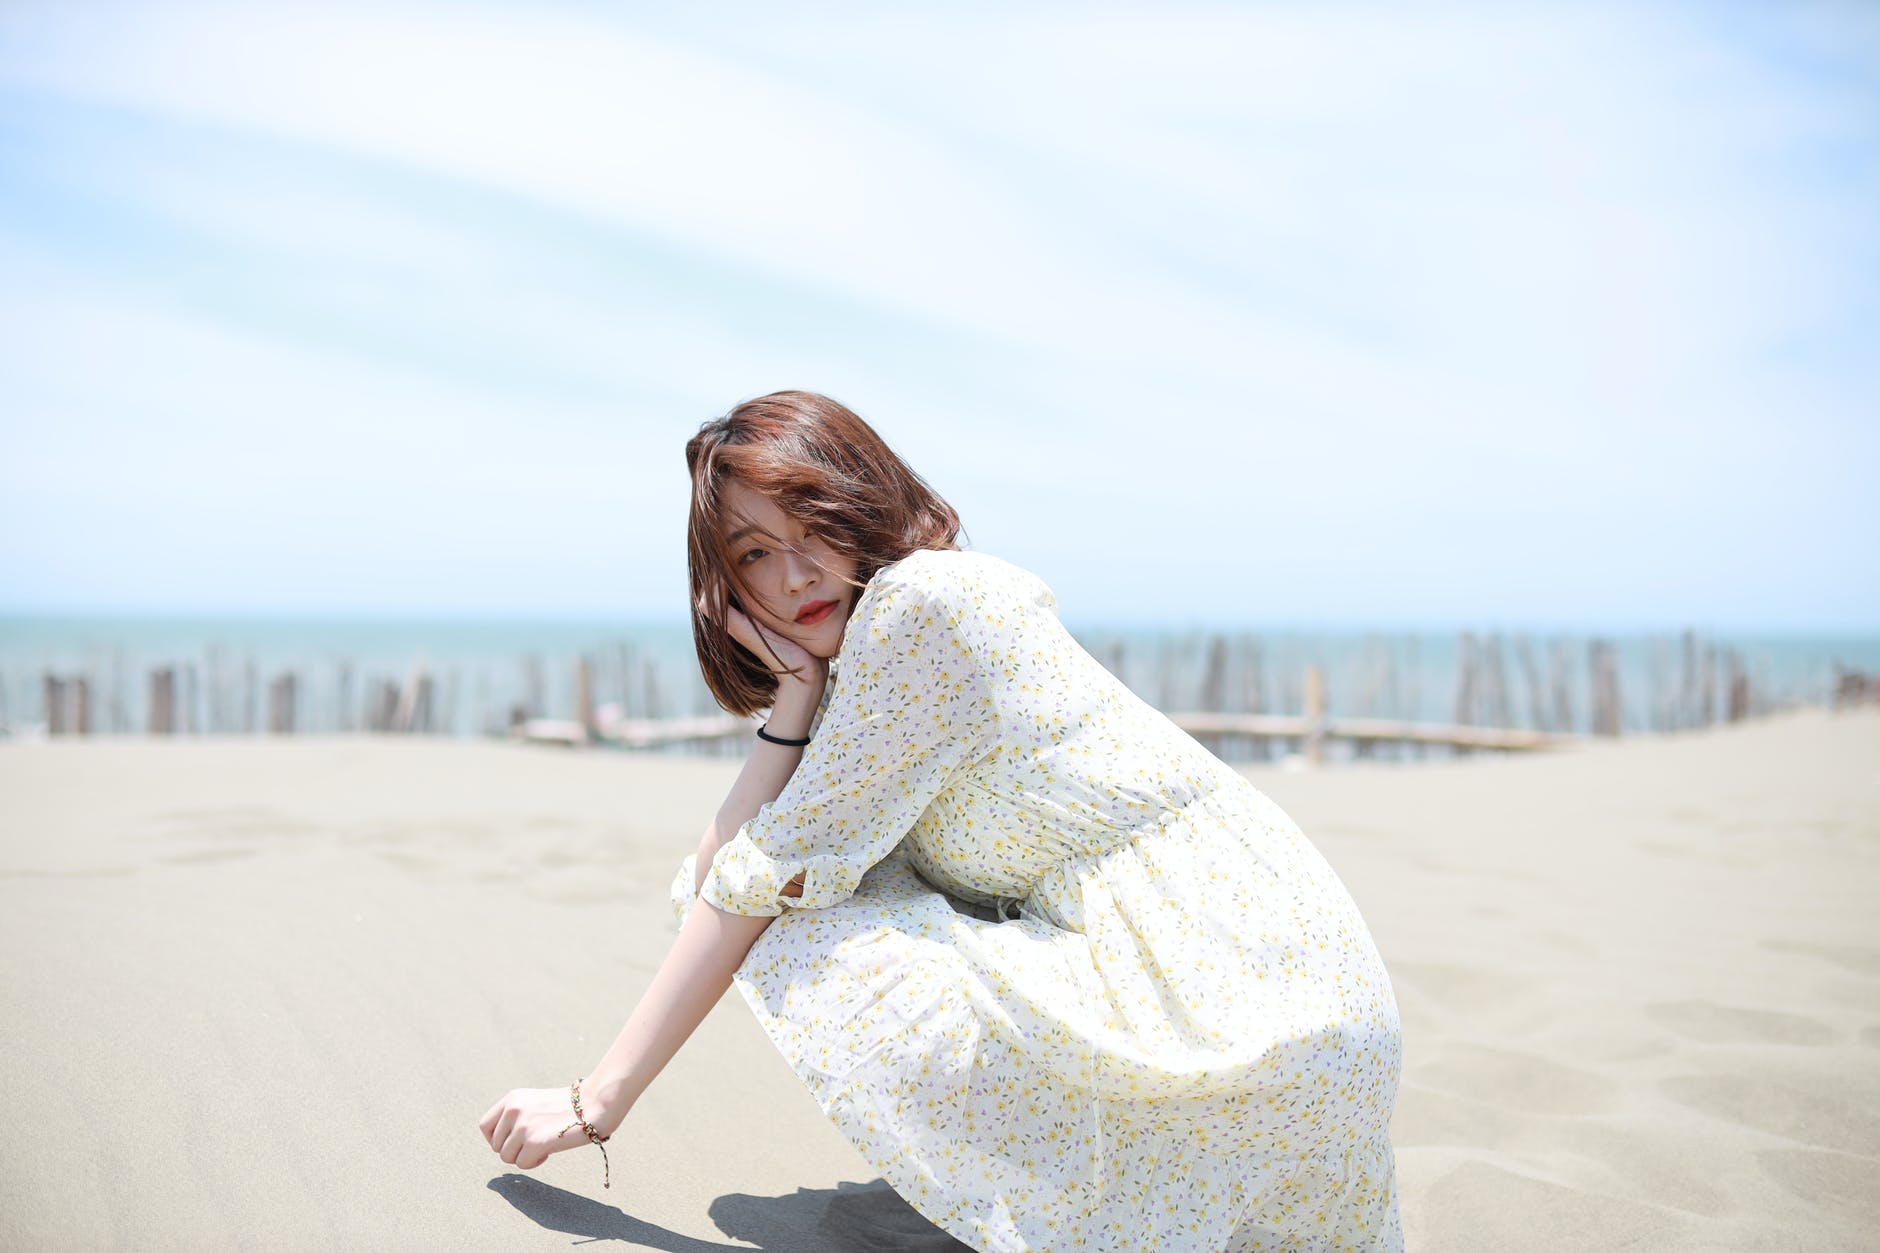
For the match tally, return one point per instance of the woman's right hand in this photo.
(776, 650)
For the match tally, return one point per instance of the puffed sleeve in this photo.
(908, 709)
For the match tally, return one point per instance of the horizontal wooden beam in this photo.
(1369, 730)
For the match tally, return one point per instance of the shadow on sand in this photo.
(849, 1218)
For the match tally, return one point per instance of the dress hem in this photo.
(897, 1173)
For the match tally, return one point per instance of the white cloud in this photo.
(1414, 296)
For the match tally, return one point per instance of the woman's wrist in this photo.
(606, 1101)
(794, 707)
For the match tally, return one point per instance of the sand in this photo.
(259, 992)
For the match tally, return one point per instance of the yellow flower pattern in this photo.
(1066, 979)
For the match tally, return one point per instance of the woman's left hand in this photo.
(526, 1126)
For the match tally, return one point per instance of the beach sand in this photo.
(258, 993)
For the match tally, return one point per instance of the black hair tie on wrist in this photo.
(763, 733)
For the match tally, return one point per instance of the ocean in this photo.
(485, 669)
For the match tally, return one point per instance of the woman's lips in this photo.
(816, 612)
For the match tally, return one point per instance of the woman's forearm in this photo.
(695, 974)
(769, 766)
(712, 943)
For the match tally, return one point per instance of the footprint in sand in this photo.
(1710, 1023)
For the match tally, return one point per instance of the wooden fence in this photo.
(1507, 696)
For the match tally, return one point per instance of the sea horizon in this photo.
(486, 667)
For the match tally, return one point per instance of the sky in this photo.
(1303, 315)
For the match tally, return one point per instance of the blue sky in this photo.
(1291, 314)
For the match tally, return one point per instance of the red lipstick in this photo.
(814, 612)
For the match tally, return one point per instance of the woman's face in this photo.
(798, 580)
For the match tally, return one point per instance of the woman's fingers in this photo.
(513, 1146)
(505, 1125)
(743, 630)
(530, 1125)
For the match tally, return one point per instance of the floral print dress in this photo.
(1063, 977)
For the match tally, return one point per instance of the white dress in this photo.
(1063, 977)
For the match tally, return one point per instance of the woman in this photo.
(1066, 979)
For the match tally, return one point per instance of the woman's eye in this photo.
(750, 554)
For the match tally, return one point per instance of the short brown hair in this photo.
(825, 467)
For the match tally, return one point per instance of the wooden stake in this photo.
(1605, 685)
(163, 701)
(447, 711)
(248, 696)
(281, 704)
(54, 688)
(533, 697)
(1495, 684)
(1563, 692)
(342, 686)
(1315, 715)
(584, 696)
(187, 720)
(1465, 680)
(405, 715)
(1689, 704)
(1707, 691)
(1531, 678)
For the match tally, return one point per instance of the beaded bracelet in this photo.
(580, 1120)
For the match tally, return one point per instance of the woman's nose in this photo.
(800, 569)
